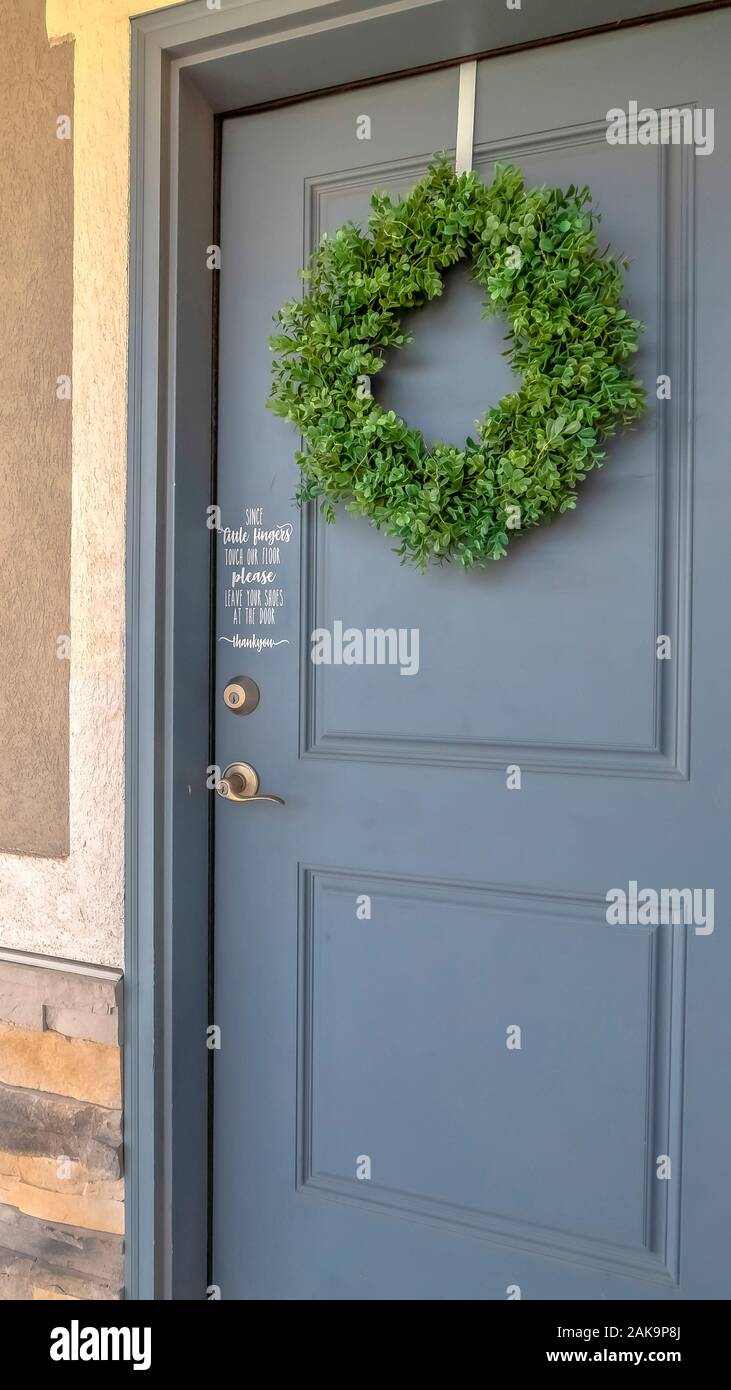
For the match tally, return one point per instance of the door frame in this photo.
(189, 63)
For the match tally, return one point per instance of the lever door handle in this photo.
(240, 782)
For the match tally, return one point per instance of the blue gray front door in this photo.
(442, 1072)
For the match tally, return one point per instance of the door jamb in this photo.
(178, 56)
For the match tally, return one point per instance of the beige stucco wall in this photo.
(36, 198)
(73, 906)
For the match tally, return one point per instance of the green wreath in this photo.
(534, 251)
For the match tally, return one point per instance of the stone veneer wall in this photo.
(61, 1183)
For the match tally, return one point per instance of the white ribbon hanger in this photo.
(466, 117)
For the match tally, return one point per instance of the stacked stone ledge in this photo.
(61, 1180)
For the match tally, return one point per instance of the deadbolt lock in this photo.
(241, 695)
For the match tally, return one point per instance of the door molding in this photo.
(190, 66)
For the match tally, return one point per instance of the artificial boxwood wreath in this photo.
(534, 252)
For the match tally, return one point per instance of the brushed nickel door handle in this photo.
(240, 782)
